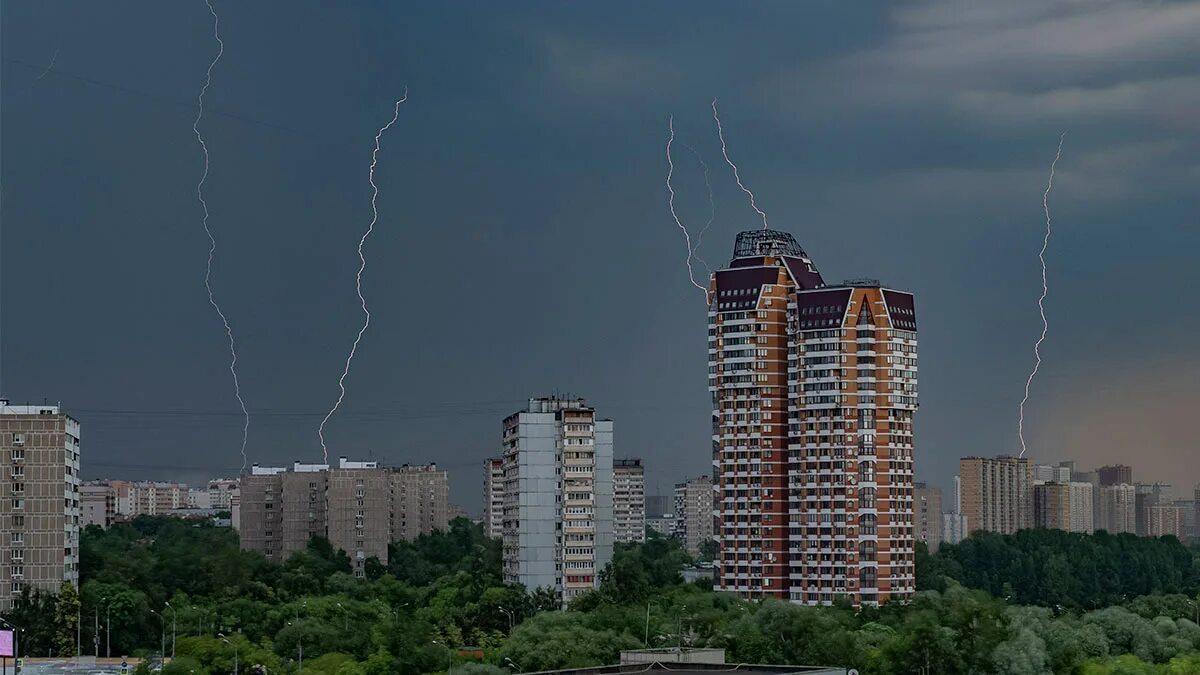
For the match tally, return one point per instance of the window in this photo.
(866, 523)
(867, 576)
(18, 504)
(867, 498)
(867, 550)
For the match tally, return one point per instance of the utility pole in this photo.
(96, 632)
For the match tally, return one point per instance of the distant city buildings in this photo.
(1048, 474)
(359, 506)
(97, 503)
(39, 500)
(1147, 496)
(1115, 474)
(558, 496)
(1118, 508)
(997, 493)
(629, 501)
(694, 512)
(1165, 519)
(493, 497)
(814, 389)
(1063, 506)
(927, 506)
(954, 523)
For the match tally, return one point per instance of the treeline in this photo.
(1053, 568)
(446, 591)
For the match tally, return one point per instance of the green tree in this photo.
(66, 620)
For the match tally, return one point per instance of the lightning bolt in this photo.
(671, 203)
(1037, 354)
(51, 66)
(212, 242)
(712, 208)
(362, 265)
(736, 176)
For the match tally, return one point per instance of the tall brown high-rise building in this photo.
(814, 389)
(420, 501)
(997, 493)
(1115, 474)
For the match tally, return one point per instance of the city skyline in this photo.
(557, 140)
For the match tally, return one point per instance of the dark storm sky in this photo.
(524, 245)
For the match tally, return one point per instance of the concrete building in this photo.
(629, 501)
(1150, 494)
(220, 493)
(1118, 508)
(1115, 474)
(39, 500)
(997, 493)
(814, 388)
(658, 506)
(664, 525)
(1163, 520)
(954, 523)
(558, 496)
(97, 503)
(493, 497)
(927, 507)
(1188, 514)
(199, 498)
(1056, 474)
(359, 506)
(694, 512)
(1052, 505)
(420, 501)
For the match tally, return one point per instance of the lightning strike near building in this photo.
(814, 388)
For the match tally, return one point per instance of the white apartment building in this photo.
(558, 496)
(493, 497)
(629, 501)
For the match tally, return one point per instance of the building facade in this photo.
(97, 504)
(1118, 508)
(359, 506)
(421, 501)
(629, 501)
(1052, 505)
(694, 513)
(39, 500)
(927, 511)
(1115, 474)
(954, 523)
(997, 493)
(493, 497)
(558, 496)
(813, 389)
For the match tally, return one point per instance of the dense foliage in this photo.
(1053, 568)
(445, 591)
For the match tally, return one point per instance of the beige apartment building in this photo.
(493, 497)
(694, 512)
(39, 500)
(629, 501)
(359, 506)
(927, 506)
(1118, 508)
(420, 501)
(997, 493)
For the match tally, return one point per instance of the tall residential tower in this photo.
(814, 389)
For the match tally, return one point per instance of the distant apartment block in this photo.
(558, 496)
(39, 500)
(220, 493)
(1052, 474)
(629, 501)
(1115, 474)
(1118, 508)
(359, 506)
(421, 501)
(1151, 494)
(694, 512)
(927, 512)
(493, 497)
(997, 493)
(1063, 506)
(658, 506)
(1164, 519)
(954, 523)
(97, 503)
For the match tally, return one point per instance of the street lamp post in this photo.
(235, 655)
(513, 664)
(174, 617)
(449, 656)
(162, 652)
(511, 621)
(107, 627)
